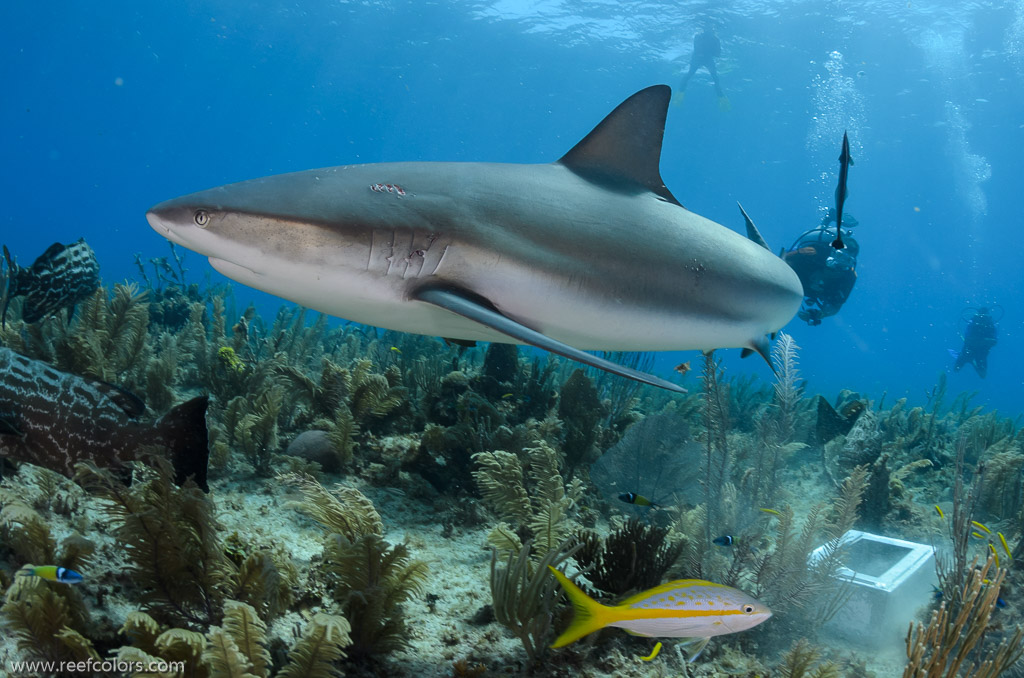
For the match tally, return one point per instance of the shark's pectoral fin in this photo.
(752, 232)
(480, 310)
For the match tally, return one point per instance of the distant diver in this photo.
(706, 48)
(979, 338)
(825, 258)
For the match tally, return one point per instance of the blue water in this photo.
(110, 107)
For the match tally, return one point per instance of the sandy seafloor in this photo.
(459, 567)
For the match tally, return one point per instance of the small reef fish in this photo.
(52, 573)
(54, 419)
(683, 368)
(687, 608)
(61, 277)
(724, 540)
(638, 500)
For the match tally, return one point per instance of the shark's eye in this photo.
(749, 609)
(202, 218)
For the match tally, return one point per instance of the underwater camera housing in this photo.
(891, 580)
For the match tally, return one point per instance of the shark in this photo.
(588, 253)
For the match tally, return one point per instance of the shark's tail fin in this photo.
(183, 431)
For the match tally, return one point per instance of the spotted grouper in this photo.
(55, 420)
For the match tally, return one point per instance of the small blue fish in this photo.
(637, 500)
(724, 540)
(52, 573)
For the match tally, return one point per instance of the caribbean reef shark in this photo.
(588, 253)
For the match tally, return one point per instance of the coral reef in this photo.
(524, 593)
(632, 558)
(451, 453)
(367, 577)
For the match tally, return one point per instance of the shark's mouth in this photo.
(233, 270)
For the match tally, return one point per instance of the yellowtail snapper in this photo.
(688, 608)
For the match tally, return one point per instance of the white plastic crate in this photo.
(892, 579)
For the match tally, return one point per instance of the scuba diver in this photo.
(979, 338)
(827, 273)
(824, 258)
(706, 48)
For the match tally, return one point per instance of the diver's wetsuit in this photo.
(827, 274)
(706, 48)
(979, 338)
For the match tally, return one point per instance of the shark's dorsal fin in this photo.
(626, 145)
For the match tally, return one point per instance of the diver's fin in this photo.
(693, 647)
(844, 166)
(752, 231)
(625, 147)
(183, 431)
(480, 310)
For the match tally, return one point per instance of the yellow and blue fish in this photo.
(638, 500)
(52, 573)
(687, 608)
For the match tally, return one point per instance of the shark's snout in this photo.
(156, 223)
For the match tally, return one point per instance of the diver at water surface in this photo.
(706, 48)
(979, 338)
